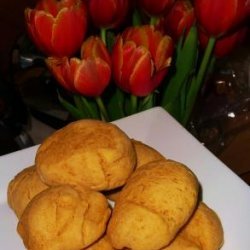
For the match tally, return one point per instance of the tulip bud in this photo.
(179, 19)
(224, 45)
(89, 76)
(218, 17)
(140, 59)
(57, 27)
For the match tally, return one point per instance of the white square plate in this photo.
(222, 190)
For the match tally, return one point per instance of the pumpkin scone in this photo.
(156, 202)
(63, 217)
(22, 188)
(89, 153)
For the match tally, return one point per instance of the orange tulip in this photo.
(57, 27)
(179, 19)
(140, 59)
(88, 76)
(108, 13)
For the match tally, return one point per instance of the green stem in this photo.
(103, 34)
(88, 107)
(133, 103)
(204, 63)
(196, 84)
(153, 20)
(103, 111)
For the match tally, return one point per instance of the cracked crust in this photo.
(87, 153)
(63, 217)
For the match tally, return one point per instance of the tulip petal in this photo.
(92, 77)
(131, 56)
(41, 26)
(163, 53)
(94, 47)
(117, 59)
(141, 78)
(62, 71)
(68, 31)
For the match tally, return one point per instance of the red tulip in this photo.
(108, 13)
(179, 19)
(155, 8)
(218, 17)
(57, 27)
(89, 76)
(141, 57)
(226, 44)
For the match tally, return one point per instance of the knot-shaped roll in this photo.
(158, 199)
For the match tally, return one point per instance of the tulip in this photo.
(155, 8)
(88, 76)
(179, 19)
(108, 13)
(218, 17)
(224, 45)
(140, 59)
(57, 27)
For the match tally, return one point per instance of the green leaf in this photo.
(185, 64)
(197, 82)
(90, 107)
(115, 104)
(76, 113)
(80, 106)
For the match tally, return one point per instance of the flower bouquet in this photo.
(114, 58)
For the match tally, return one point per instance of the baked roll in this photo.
(89, 153)
(63, 217)
(156, 202)
(23, 188)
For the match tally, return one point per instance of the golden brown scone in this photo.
(155, 203)
(23, 188)
(92, 153)
(102, 244)
(144, 155)
(204, 229)
(63, 218)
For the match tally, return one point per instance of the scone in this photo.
(156, 202)
(204, 229)
(23, 188)
(144, 155)
(63, 217)
(89, 153)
